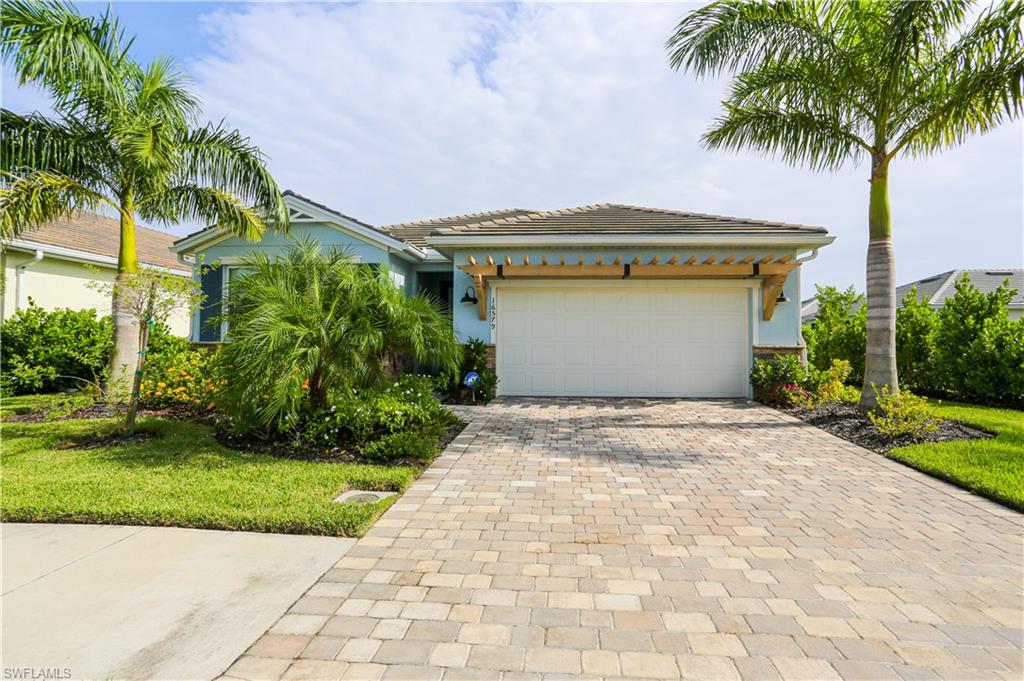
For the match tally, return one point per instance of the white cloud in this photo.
(397, 111)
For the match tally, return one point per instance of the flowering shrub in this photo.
(183, 378)
(902, 414)
(831, 385)
(779, 382)
(402, 420)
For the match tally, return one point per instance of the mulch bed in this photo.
(335, 454)
(102, 410)
(114, 439)
(848, 422)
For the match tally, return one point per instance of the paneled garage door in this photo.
(622, 341)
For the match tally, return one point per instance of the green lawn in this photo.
(184, 479)
(23, 404)
(992, 468)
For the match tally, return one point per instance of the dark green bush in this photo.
(474, 358)
(395, 447)
(43, 348)
(915, 323)
(838, 332)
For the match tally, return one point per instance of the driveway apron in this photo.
(663, 539)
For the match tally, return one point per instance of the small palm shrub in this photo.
(902, 414)
(314, 324)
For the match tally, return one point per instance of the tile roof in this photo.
(938, 288)
(101, 235)
(417, 231)
(610, 218)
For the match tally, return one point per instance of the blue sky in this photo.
(392, 111)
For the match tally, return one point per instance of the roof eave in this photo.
(448, 242)
(75, 255)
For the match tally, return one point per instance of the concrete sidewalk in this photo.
(147, 602)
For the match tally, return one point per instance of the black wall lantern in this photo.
(782, 298)
(470, 297)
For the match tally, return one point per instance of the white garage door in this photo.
(622, 341)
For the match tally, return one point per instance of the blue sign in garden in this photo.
(471, 381)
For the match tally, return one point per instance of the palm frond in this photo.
(225, 159)
(798, 137)
(193, 202)
(39, 197)
(64, 147)
(50, 42)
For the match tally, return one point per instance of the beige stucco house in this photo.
(52, 265)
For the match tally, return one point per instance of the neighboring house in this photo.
(603, 300)
(52, 265)
(938, 288)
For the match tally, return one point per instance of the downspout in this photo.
(19, 279)
(803, 343)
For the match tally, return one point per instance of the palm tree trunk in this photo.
(126, 323)
(880, 361)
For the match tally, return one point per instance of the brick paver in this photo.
(663, 539)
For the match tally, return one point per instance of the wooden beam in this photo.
(653, 261)
(728, 260)
(561, 260)
(636, 260)
(480, 284)
(581, 261)
(785, 258)
(526, 260)
(543, 260)
(490, 260)
(747, 260)
(618, 260)
(508, 260)
(471, 259)
(673, 260)
(710, 260)
(692, 259)
(768, 258)
(734, 270)
(771, 289)
(599, 260)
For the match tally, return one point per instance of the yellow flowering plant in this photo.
(184, 378)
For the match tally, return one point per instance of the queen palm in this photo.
(825, 84)
(123, 138)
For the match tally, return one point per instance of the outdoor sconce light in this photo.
(470, 297)
(782, 298)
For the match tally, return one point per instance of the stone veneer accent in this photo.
(773, 351)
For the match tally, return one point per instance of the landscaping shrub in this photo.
(401, 446)
(976, 348)
(780, 381)
(831, 386)
(474, 358)
(42, 348)
(915, 323)
(179, 378)
(838, 332)
(901, 414)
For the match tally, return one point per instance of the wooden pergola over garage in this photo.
(770, 270)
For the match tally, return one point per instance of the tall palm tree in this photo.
(124, 137)
(827, 83)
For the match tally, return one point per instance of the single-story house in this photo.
(938, 288)
(600, 300)
(52, 265)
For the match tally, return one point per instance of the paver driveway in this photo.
(663, 539)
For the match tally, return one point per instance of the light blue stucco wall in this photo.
(782, 329)
(274, 243)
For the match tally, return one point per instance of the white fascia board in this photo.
(430, 255)
(62, 253)
(596, 241)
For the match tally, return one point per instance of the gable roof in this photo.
(99, 235)
(305, 209)
(612, 218)
(417, 231)
(938, 288)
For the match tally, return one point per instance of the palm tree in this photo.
(312, 322)
(827, 83)
(124, 138)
